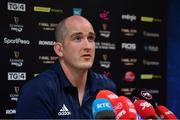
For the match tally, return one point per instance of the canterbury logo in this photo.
(64, 111)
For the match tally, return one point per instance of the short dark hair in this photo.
(61, 31)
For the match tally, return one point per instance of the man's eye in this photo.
(77, 38)
(91, 38)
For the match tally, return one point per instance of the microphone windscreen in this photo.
(165, 113)
(106, 94)
(102, 109)
(124, 108)
(145, 109)
(143, 94)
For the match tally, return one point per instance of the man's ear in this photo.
(58, 48)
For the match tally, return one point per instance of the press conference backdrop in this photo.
(130, 45)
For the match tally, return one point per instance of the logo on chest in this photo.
(64, 111)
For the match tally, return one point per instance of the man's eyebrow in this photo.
(80, 33)
(75, 34)
(92, 33)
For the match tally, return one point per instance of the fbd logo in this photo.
(77, 11)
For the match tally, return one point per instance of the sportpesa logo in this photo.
(16, 41)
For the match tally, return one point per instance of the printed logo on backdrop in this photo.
(16, 6)
(151, 48)
(128, 46)
(150, 63)
(105, 46)
(105, 63)
(16, 61)
(47, 9)
(47, 26)
(150, 76)
(77, 11)
(46, 43)
(150, 34)
(35, 74)
(48, 59)
(14, 96)
(129, 61)
(16, 41)
(104, 15)
(129, 17)
(127, 91)
(16, 27)
(17, 76)
(105, 33)
(10, 111)
(150, 19)
(129, 31)
(107, 74)
(129, 76)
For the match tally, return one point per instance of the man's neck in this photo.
(77, 78)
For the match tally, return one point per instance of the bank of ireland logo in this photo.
(64, 111)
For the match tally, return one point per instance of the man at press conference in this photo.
(68, 88)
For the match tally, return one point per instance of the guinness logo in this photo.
(104, 26)
(16, 54)
(105, 57)
(16, 19)
(16, 89)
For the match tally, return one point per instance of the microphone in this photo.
(123, 107)
(102, 109)
(143, 94)
(106, 94)
(145, 109)
(165, 113)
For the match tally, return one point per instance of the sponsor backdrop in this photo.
(130, 45)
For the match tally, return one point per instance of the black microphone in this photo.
(143, 94)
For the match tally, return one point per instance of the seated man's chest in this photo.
(68, 106)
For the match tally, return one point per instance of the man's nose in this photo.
(86, 43)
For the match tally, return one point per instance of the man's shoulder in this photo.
(45, 80)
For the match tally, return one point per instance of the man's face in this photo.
(79, 45)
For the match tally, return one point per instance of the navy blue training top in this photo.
(51, 95)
